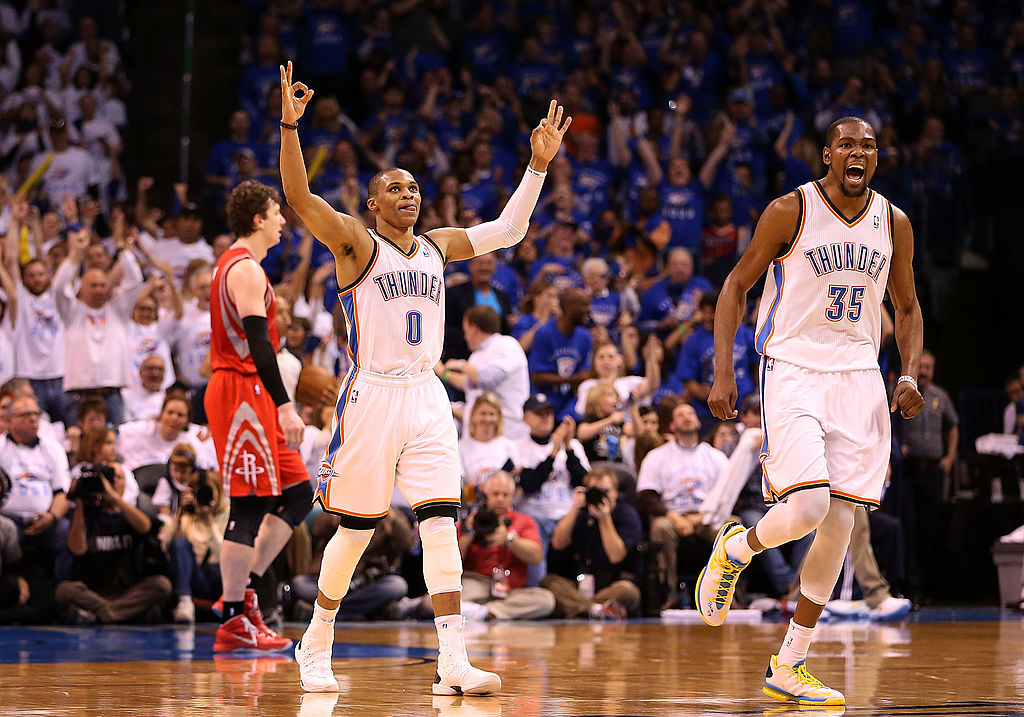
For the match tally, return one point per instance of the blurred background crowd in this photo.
(579, 359)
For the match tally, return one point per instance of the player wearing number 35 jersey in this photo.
(832, 248)
(393, 424)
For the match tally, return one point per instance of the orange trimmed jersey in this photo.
(821, 307)
(395, 309)
(229, 348)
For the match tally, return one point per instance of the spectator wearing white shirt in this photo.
(189, 244)
(609, 367)
(101, 140)
(144, 400)
(39, 336)
(192, 333)
(97, 326)
(145, 442)
(8, 311)
(147, 336)
(68, 169)
(674, 480)
(552, 463)
(497, 364)
(38, 468)
(484, 450)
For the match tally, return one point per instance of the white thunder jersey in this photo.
(822, 298)
(395, 310)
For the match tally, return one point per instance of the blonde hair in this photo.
(487, 398)
(596, 395)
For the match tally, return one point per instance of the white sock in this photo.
(324, 614)
(738, 549)
(450, 640)
(794, 646)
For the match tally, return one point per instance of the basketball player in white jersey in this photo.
(393, 421)
(834, 247)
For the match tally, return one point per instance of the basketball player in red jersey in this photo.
(254, 424)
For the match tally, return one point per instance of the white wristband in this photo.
(907, 379)
(531, 170)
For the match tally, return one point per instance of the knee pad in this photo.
(294, 503)
(442, 562)
(341, 554)
(244, 519)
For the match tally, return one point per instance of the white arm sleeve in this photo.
(510, 227)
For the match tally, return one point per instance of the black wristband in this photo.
(257, 334)
(285, 125)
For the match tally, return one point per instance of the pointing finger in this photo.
(568, 121)
(551, 110)
(558, 116)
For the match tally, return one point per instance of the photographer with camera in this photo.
(106, 537)
(497, 545)
(601, 534)
(192, 538)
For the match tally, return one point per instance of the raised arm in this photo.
(774, 231)
(339, 232)
(909, 325)
(511, 226)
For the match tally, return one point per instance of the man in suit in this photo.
(476, 291)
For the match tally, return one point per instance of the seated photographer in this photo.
(192, 539)
(180, 476)
(600, 533)
(497, 545)
(108, 583)
(375, 584)
(99, 445)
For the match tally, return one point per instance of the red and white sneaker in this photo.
(252, 611)
(239, 633)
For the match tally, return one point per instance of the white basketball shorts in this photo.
(389, 429)
(823, 429)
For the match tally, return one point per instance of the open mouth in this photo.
(407, 207)
(855, 173)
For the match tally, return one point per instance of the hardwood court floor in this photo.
(963, 663)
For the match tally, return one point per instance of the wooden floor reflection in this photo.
(573, 669)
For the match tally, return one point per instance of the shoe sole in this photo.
(784, 696)
(700, 578)
(487, 688)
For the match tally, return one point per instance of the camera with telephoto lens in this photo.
(485, 523)
(596, 495)
(89, 488)
(203, 495)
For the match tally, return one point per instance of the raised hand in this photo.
(547, 136)
(292, 106)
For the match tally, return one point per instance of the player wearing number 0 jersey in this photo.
(393, 423)
(832, 249)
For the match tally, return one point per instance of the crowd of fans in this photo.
(578, 362)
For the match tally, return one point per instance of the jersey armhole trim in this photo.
(801, 215)
(444, 259)
(892, 225)
(362, 276)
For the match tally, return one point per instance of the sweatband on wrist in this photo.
(907, 379)
(511, 226)
(257, 334)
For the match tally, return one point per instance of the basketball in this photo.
(316, 387)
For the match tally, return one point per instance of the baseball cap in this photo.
(191, 208)
(183, 455)
(741, 94)
(538, 403)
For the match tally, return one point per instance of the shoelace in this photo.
(806, 677)
(310, 657)
(729, 573)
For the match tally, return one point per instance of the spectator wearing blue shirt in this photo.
(673, 300)
(259, 78)
(485, 49)
(558, 264)
(325, 44)
(539, 307)
(606, 306)
(559, 359)
(695, 365)
(533, 74)
(221, 161)
(592, 175)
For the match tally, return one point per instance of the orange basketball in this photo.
(317, 387)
